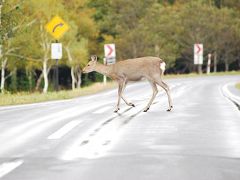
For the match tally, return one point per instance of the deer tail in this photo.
(162, 67)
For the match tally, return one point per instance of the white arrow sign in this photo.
(198, 53)
(110, 53)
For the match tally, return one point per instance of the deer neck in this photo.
(103, 69)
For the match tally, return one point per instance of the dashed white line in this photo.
(7, 167)
(64, 130)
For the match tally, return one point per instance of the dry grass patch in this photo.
(26, 97)
(238, 85)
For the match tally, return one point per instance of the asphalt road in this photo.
(82, 139)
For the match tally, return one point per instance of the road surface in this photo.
(82, 139)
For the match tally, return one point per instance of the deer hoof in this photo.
(170, 108)
(145, 110)
(117, 110)
(131, 104)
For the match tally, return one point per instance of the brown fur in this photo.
(133, 70)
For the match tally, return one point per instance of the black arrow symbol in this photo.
(58, 25)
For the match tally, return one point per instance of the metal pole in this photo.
(199, 68)
(104, 76)
(56, 75)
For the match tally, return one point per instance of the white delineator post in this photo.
(104, 76)
(209, 63)
(109, 58)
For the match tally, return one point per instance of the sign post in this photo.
(209, 63)
(198, 56)
(57, 28)
(110, 57)
(104, 76)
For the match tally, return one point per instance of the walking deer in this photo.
(151, 68)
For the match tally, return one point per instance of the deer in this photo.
(150, 68)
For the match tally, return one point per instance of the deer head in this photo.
(91, 65)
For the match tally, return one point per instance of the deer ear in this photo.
(93, 58)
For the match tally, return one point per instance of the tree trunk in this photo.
(2, 79)
(45, 76)
(215, 62)
(134, 51)
(39, 82)
(29, 76)
(73, 78)
(3, 68)
(226, 65)
(74, 81)
(157, 50)
(1, 56)
(14, 80)
(79, 78)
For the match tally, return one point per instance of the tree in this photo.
(42, 11)
(80, 40)
(9, 24)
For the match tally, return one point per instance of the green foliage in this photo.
(164, 28)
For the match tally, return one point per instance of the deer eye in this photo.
(88, 65)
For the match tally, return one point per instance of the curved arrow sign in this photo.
(109, 50)
(110, 53)
(199, 49)
(198, 53)
(56, 26)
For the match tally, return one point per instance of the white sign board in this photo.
(110, 53)
(198, 53)
(56, 50)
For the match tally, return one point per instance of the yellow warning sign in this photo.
(57, 27)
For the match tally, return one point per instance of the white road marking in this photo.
(102, 110)
(33, 128)
(94, 144)
(64, 130)
(7, 167)
(228, 93)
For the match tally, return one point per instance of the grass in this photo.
(238, 86)
(26, 98)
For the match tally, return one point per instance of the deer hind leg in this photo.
(167, 90)
(155, 91)
(120, 87)
(128, 103)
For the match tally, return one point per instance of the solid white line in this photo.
(64, 130)
(229, 94)
(7, 167)
(101, 110)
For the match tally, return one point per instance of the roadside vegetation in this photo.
(238, 85)
(26, 97)
(163, 28)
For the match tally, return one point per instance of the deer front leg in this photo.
(128, 103)
(155, 91)
(120, 87)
